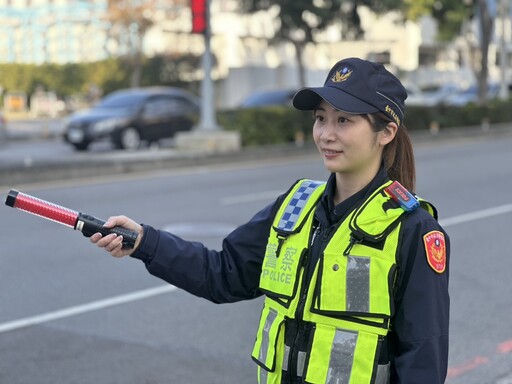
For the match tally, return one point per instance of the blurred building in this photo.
(64, 31)
(55, 31)
(61, 31)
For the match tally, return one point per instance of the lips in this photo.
(330, 152)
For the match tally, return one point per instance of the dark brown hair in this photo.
(398, 155)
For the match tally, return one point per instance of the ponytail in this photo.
(398, 159)
(398, 155)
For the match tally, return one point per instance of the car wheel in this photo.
(81, 146)
(129, 139)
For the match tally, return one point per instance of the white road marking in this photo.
(146, 293)
(477, 215)
(84, 308)
(250, 197)
(505, 380)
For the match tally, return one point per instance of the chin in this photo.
(334, 168)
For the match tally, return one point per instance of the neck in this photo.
(349, 184)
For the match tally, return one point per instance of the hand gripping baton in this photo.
(86, 224)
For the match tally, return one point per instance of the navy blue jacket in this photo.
(417, 345)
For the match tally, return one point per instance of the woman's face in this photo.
(347, 142)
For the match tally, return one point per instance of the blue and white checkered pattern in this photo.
(294, 208)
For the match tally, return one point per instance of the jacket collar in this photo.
(327, 213)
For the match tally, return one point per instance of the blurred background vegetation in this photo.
(270, 125)
(67, 80)
(299, 24)
(276, 124)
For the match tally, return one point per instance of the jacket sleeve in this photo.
(420, 328)
(229, 275)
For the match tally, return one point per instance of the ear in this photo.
(387, 135)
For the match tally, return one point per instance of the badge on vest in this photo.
(435, 248)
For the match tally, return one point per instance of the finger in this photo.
(95, 237)
(113, 221)
(114, 243)
(104, 241)
(118, 250)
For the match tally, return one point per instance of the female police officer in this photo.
(354, 270)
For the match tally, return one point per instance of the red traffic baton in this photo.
(82, 222)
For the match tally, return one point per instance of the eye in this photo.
(342, 119)
(319, 118)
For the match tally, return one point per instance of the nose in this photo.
(328, 132)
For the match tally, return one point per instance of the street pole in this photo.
(208, 121)
(207, 136)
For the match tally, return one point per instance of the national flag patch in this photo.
(435, 249)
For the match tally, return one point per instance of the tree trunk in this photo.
(486, 27)
(299, 49)
(135, 76)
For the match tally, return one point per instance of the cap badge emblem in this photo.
(342, 75)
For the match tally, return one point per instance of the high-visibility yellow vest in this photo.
(349, 298)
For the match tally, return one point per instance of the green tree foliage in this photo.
(15, 77)
(452, 17)
(301, 21)
(107, 75)
(450, 14)
(65, 80)
(181, 70)
(130, 21)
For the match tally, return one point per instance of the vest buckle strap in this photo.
(280, 241)
(353, 241)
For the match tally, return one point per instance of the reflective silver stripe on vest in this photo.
(383, 373)
(285, 358)
(271, 317)
(358, 284)
(263, 376)
(301, 363)
(298, 201)
(342, 356)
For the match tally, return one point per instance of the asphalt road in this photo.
(72, 314)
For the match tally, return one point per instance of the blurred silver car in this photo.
(470, 95)
(267, 98)
(128, 117)
(431, 95)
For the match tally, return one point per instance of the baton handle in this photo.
(89, 225)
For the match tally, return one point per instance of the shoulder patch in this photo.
(435, 249)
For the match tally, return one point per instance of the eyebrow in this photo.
(325, 110)
(336, 110)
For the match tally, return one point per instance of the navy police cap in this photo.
(359, 87)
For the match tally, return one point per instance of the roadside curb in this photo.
(125, 163)
(136, 162)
